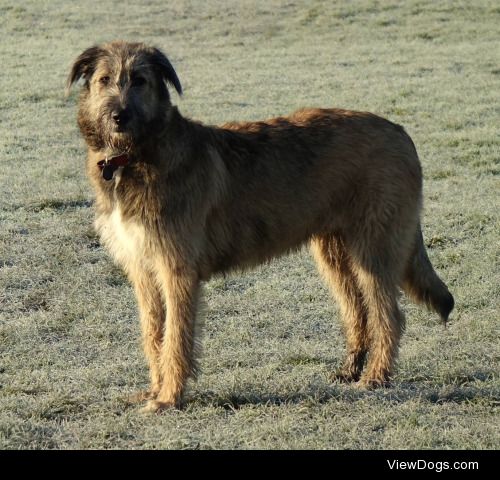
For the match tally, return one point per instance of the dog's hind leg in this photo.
(335, 265)
(385, 326)
(378, 268)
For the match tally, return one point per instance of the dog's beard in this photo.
(134, 135)
(120, 142)
(102, 134)
(116, 140)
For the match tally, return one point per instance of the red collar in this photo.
(109, 165)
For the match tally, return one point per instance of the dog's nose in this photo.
(121, 117)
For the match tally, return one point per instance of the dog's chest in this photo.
(124, 238)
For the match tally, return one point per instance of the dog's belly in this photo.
(125, 239)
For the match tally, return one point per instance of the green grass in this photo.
(69, 337)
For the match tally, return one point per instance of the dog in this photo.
(178, 202)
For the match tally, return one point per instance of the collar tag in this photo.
(109, 165)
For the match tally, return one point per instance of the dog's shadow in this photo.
(424, 388)
(235, 400)
(468, 388)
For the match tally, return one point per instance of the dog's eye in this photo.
(104, 80)
(138, 81)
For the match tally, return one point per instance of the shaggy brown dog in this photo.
(178, 201)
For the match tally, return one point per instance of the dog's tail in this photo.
(422, 284)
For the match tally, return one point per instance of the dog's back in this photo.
(318, 171)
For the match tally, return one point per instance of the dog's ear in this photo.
(84, 66)
(162, 63)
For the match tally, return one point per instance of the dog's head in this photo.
(125, 95)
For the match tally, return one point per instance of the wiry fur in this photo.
(198, 200)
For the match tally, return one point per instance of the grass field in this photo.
(69, 337)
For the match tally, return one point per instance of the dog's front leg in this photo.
(152, 315)
(177, 361)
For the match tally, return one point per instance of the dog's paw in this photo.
(155, 406)
(343, 376)
(142, 396)
(369, 383)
